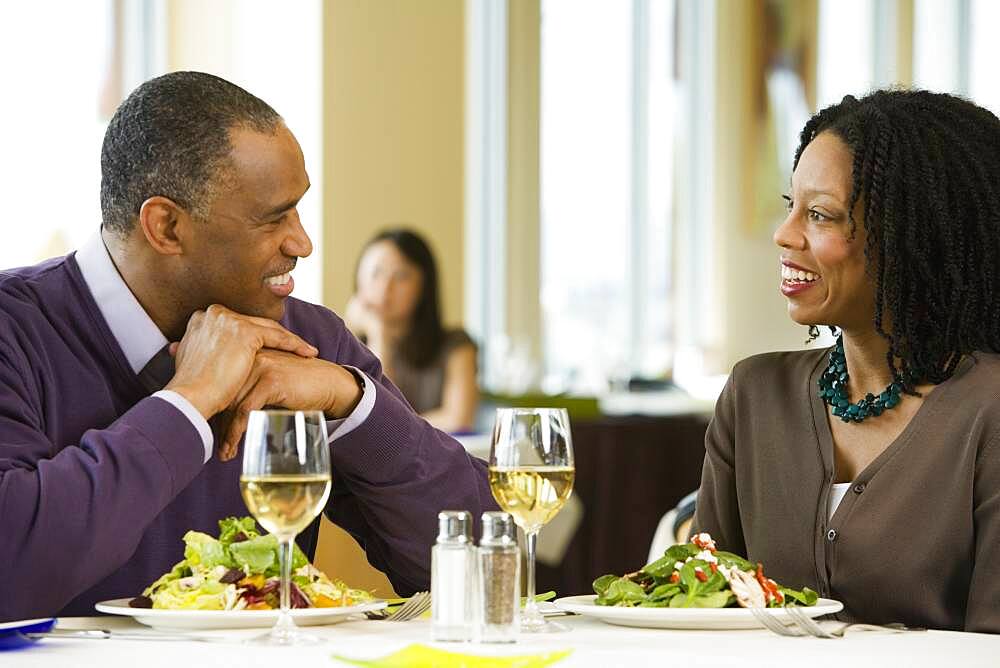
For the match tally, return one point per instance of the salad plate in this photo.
(13, 635)
(684, 618)
(232, 619)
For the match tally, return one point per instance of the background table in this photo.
(593, 644)
(629, 472)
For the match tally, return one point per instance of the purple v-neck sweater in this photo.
(99, 481)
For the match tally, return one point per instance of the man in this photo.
(128, 369)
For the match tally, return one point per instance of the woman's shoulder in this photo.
(779, 366)
(976, 379)
(985, 365)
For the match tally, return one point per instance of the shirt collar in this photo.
(136, 333)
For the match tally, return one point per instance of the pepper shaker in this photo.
(499, 566)
(453, 577)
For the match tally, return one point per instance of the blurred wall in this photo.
(393, 99)
(754, 314)
(393, 134)
(524, 308)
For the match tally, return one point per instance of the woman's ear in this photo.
(164, 224)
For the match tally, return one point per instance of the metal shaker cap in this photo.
(498, 529)
(454, 526)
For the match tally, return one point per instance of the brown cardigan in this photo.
(916, 540)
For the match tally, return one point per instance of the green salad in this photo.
(697, 575)
(239, 570)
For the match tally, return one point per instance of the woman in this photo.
(871, 471)
(395, 311)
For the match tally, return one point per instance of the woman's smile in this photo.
(795, 279)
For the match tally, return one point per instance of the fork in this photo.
(771, 623)
(418, 604)
(809, 625)
(814, 628)
(803, 625)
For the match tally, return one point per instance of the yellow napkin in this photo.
(422, 656)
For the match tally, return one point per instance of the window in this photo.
(937, 46)
(846, 51)
(624, 228)
(955, 50)
(607, 152)
(55, 111)
(859, 47)
(984, 54)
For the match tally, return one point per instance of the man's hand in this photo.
(294, 382)
(216, 355)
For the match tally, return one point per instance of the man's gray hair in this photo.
(171, 138)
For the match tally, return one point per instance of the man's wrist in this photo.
(197, 420)
(348, 393)
(192, 396)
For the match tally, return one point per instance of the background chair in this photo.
(674, 527)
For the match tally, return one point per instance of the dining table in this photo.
(589, 642)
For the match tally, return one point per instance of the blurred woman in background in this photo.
(870, 471)
(396, 311)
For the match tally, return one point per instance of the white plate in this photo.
(230, 619)
(684, 618)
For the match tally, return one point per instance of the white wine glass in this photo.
(285, 484)
(531, 476)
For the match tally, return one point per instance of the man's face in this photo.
(242, 255)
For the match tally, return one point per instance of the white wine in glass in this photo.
(534, 495)
(285, 504)
(531, 477)
(285, 484)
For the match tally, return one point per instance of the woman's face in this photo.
(388, 283)
(822, 268)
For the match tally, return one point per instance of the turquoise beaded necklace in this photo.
(833, 390)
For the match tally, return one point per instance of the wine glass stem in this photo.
(531, 612)
(285, 559)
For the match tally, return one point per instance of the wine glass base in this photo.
(542, 626)
(284, 637)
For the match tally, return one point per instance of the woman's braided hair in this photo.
(927, 172)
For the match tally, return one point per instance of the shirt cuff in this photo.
(344, 426)
(192, 414)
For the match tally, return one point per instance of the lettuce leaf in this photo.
(664, 592)
(602, 583)
(256, 555)
(249, 551)
(718, 599)
(201, 550)
(180, 570)
(805, 597)
(730, 560)
(230, 527)
(209, 595)
(622, 592)
(298, 557)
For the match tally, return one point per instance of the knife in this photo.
(108, 634)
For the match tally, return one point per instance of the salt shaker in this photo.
(499, 566)
(453, 577)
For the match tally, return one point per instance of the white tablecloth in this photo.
(593, 644)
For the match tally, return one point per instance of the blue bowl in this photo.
(12, 633)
